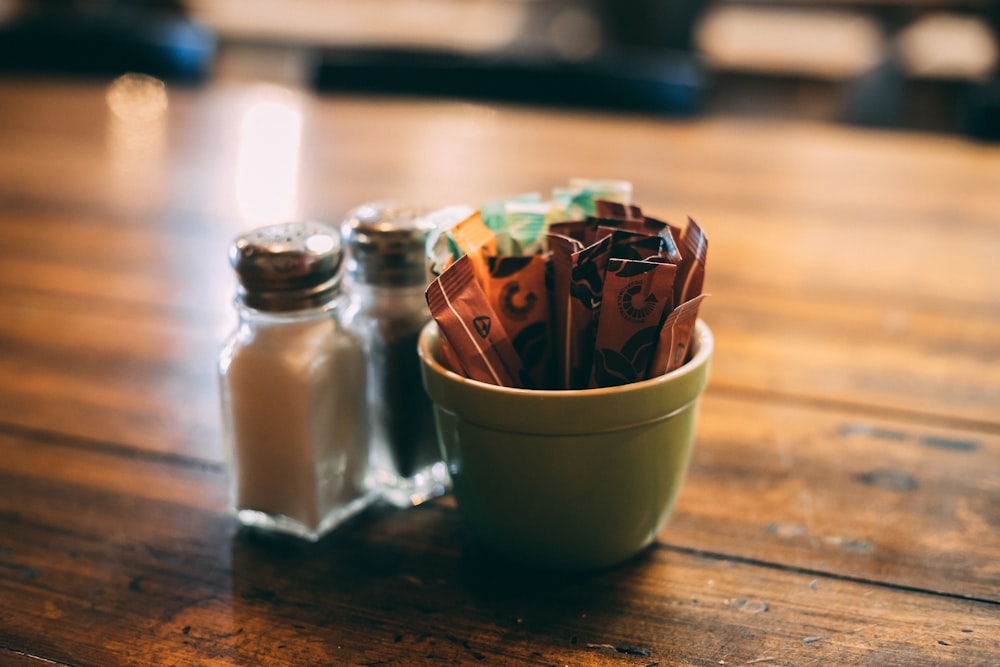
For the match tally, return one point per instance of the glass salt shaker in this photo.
(387, 278)
(292, 384)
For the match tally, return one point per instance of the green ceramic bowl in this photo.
(567, 480)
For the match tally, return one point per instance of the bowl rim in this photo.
(702, 340)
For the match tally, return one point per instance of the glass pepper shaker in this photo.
(292, 381)
(386, 249)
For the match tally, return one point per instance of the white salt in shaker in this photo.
(292, 383)
(386, 250)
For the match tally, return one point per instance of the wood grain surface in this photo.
(843, 502)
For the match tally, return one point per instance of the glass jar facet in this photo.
(295, 421)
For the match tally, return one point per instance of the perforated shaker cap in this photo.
(288, 266)
(386, 243)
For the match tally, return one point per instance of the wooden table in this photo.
(842, 506)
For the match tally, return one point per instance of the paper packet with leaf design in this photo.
(636, 295)
(462, 311)
(517, 291)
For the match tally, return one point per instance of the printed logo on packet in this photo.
(482, 325)
(630, 308)
(508, 301)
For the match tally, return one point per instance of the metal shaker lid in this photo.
(288, 266)
(386, 243)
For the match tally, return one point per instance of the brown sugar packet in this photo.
(691, 272)
(561, 250)
(636, 294)
(663, 227)
(613, 209)
(518, 293)
(670, 235)
(574, 229)
(478, 242)
(473, 330)
(632, 245)
(669, 306)
(675, 337)
(577, 286)
(644, 225)
(586, 291)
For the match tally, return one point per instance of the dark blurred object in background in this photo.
(666, 83)
(106, 38)
(979, 111)
(650, 25)
(631, 56)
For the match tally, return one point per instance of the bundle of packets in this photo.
(578, 292)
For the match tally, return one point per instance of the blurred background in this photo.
(928, 65)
